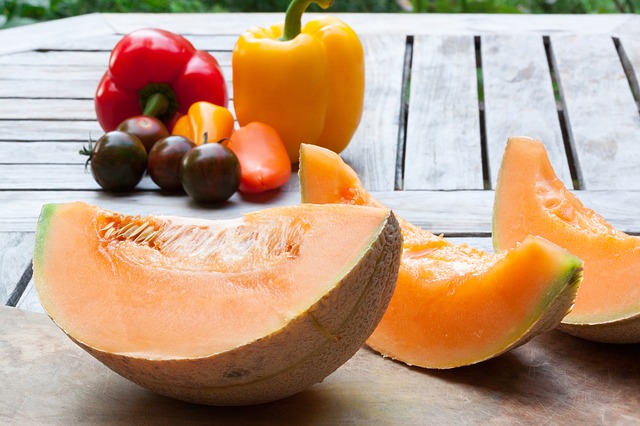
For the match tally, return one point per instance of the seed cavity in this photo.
(131, 228)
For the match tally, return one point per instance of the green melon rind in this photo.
(556, 305)
(42, 228)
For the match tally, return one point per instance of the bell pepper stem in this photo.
(293, 18)
(156, 105)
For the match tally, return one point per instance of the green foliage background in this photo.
(20, 12)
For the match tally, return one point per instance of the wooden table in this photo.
(443, 94)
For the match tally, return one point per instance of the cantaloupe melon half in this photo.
(453, 305)
(230, 312)
(530, 199)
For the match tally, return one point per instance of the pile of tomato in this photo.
(163, 106)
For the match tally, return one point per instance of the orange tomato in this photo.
(263, 157)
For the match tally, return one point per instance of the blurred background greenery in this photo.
(21, 12)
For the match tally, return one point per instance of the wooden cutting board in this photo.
(555, 378)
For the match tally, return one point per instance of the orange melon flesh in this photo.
(530, 199)
(453, 305)
(153, 297)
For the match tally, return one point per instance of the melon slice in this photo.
(453, 305)
(232, 312)
(530, 199)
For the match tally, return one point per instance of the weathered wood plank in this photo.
(382, 23)
(66, 73)
(29, 300)
(603, 119)
(555, 378)
(47, 89)
(78, 59)
(629, 28)
(454, 213)
(20, 209)
(214, 43)
(443, 146)
(65, 88)
(54, 177)
(630, 54)
(372, 151)
(49, 130)
(42, 152)
(45, 109)
(519, 99)
(16, 250)
(57, 58)
(32, 37)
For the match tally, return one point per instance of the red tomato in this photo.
(264, 162)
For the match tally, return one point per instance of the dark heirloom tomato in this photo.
(118, 161)
(148, 129)
(164, 161)
(210, 173)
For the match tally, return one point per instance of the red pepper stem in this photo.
(293, 18)
(157, 104)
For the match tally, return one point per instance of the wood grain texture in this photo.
(48, 130)
(555, 378)
(58, 58)
(372, 151)
(40, 109)
(48, 89)
(77, 58)
(105, 43)
(443, 146)
(378, 23)
(629, 28)
(16, 249)
(29, 300)
(66, 109)
(51, 152)
(66, 73)
(630, 55)
(454, 213)
(519, 99)
(27, 38)
(603, 118)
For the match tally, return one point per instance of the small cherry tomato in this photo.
(210, 173)
(118, 161)
(263, 157)
(164, 161)
(146, 128)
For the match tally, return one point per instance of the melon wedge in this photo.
(231, 312)
(453, 305)
(530, 199)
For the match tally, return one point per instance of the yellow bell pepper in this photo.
(205, 122)
(307, 83)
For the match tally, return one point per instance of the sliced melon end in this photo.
(556, 287)
(530, 199)
(624, 331)
(308, 347)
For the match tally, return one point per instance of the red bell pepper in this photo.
(159, 73)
